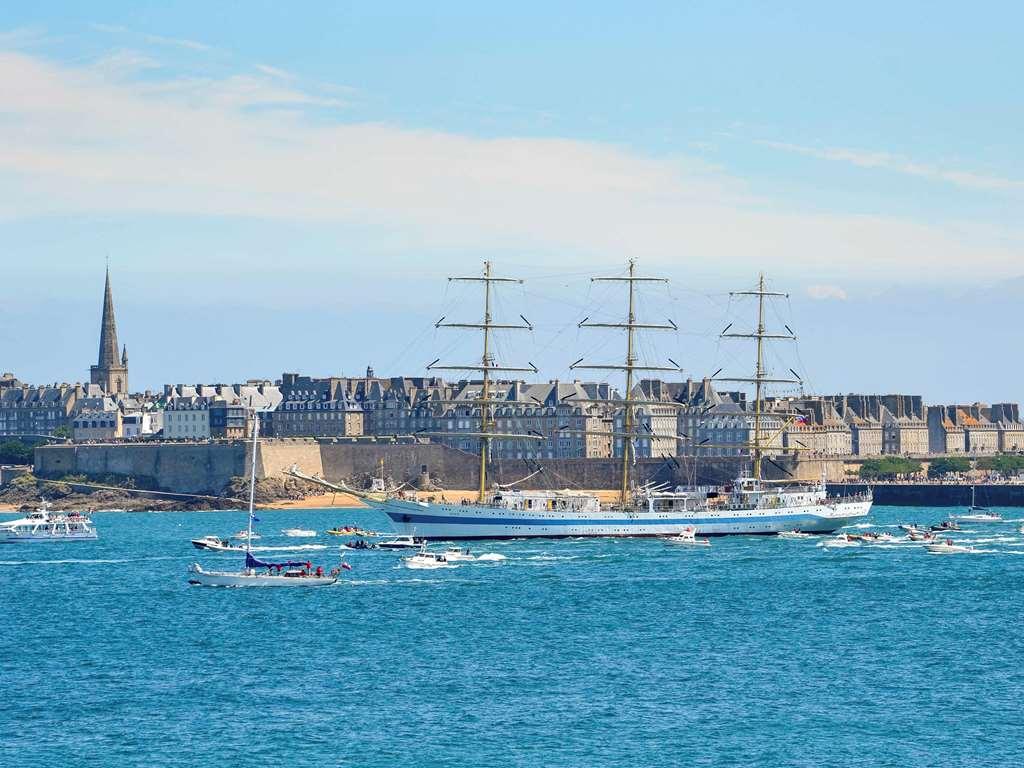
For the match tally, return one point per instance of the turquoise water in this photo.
(570, 653)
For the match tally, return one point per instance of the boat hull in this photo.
(442, 521)
(200, 578)
(7, 537)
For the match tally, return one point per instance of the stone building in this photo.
(713, 423)
(311, 407)
(815, 427)
(27, 410)
(111, 371)
(1006, 417)
(187, 418)
(97, 425)
(890, 424)
(655, 422)
(223, 411)
(945, 435)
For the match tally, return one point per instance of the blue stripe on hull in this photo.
(413, 518)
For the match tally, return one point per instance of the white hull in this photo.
(8, 537)
(440, 521)
(198, 577)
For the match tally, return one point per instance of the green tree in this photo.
(15, 452)
(888, 467)
(1007, 465)
(949, 464)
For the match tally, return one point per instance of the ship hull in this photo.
(467, 521)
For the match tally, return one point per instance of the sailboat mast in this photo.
(485, 410)
(759, 377)
(627, 422)
(252, 482)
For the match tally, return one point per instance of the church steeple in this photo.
(110, 372)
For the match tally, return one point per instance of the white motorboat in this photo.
(401, 542)
(455, 555)
(688, 537)
(425, 559)
(258, 573)
(299, 533)
(45, 525)
(794, 534)
(923, 537)
(216, 544)
(246, 535)
(878, 538)
(840, 541)
(948, 547)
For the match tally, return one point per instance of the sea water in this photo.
(755, 651)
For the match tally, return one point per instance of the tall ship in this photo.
(748, 505)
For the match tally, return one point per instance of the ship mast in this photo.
(486, 367)
(761, 376)
(630, 326)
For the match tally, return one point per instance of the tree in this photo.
(1006, 465)
(948, 465)
(888, 467)
(15, 452)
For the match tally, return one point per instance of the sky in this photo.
(288, 188)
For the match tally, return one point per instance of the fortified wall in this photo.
(208, 467)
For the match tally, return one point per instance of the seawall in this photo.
(938, 494)
(208, 467)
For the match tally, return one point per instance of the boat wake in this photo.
(296, 548)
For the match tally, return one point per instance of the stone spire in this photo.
(110, 372)
(108, 329)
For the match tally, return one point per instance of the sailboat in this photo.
(977, 514)
(260, 573)
(747, 506)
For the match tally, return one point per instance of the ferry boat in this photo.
(45, 525)
(749, 505)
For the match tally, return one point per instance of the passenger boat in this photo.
(259, 573)
(750, 505)
(44, 524)
(216, 544)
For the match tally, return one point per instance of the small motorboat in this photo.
(911, 528)
(425, 559)
(216, 544)
(796, 533)
(349, 530)
(948, 547)
(841, 540)
(299, 533)
(401, 542)
(945, 525)
(455, 554)
(871, 537)
(688, 537)
(246, 535)
(359, 544)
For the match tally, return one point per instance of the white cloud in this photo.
(895, 163)
(822, 292)
(81, 140)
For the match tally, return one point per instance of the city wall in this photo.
(208, 467)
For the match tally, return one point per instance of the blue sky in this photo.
(287, 189)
